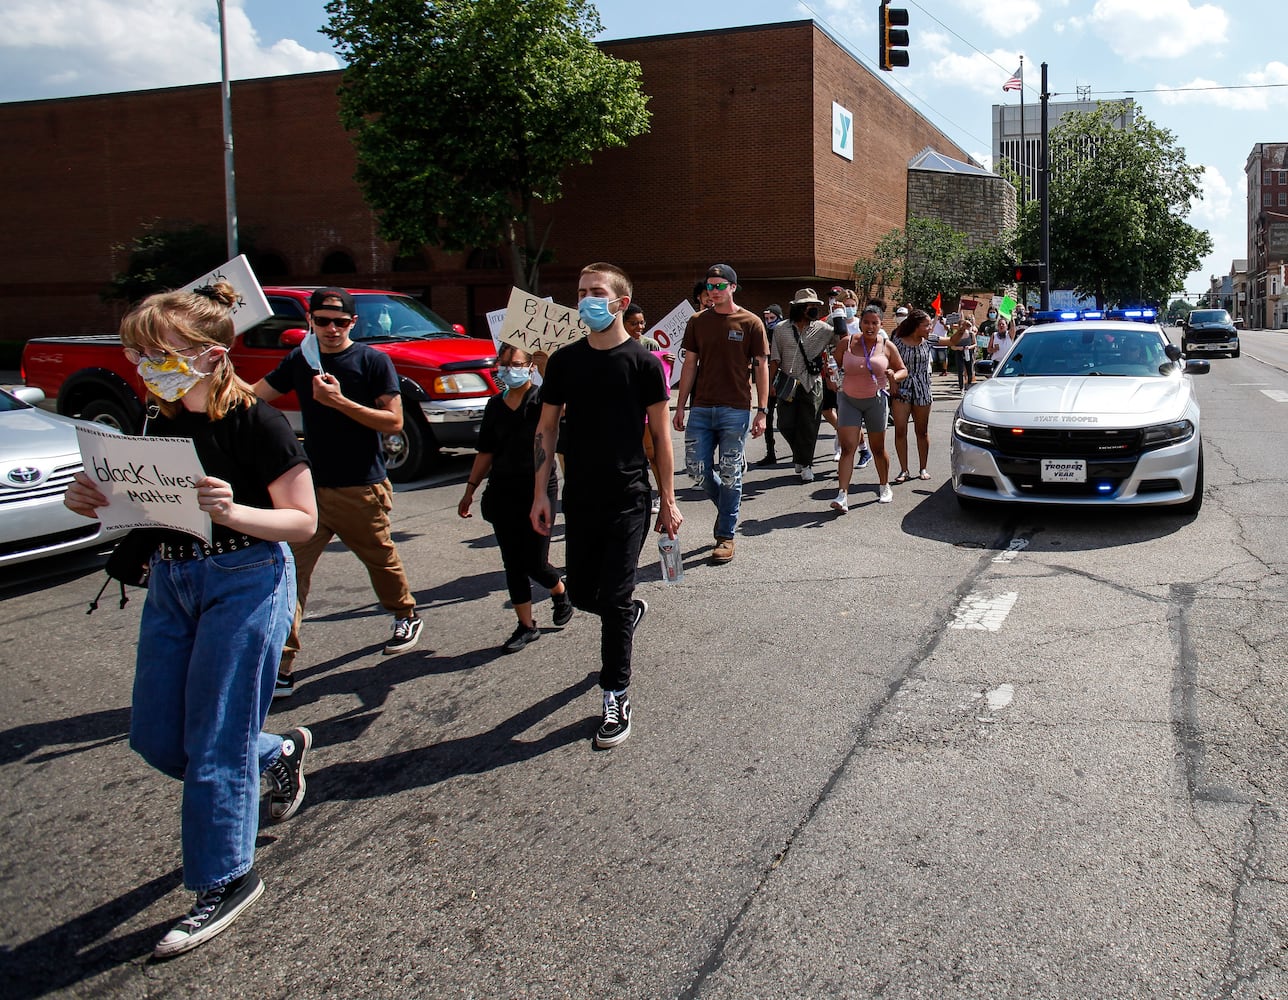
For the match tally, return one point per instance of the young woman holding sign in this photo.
(216, 615)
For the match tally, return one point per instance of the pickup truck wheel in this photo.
(1234, 353)
(407, 453)
(107, 411)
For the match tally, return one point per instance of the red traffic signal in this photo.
(892, 39)
(1028, 274)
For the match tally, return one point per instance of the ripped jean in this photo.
(725, 428)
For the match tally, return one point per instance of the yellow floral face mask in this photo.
(172, 378)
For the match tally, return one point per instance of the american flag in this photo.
(1016, 82)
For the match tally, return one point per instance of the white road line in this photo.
(1012, 550)
(982, 612)
(1278, 395)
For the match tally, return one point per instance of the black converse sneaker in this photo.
(406, 634)
(285, 686)
(521, 636)
(617, 720)
(563, 608)
(213, 912)
(286, 775)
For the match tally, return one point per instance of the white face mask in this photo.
(173, 378)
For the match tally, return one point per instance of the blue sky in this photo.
(1214, 73)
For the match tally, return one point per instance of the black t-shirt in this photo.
(249, 448)
(606, 395)
(507, 436)
(343, 452)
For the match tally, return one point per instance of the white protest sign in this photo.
(669, 334)
(149, 482)
(251, 306)
(494, 320)
(538, 325)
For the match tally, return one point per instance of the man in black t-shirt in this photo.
(606, 385)
(346, 406)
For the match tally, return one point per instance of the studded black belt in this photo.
(194, 549)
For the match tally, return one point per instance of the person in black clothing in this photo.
(773, 315)
(505, 458)
(607, 384)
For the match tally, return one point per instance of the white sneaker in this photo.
(886, 494)
(807, 474)
(836, 452)
(842, 503)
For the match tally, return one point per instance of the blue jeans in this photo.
(209, 640)
(725, 428)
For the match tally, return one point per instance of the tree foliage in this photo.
(465, 113)
(1118, 197)
(165, 256)
(929, 258)
(1178, 310)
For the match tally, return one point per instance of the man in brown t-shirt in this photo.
(722, 345)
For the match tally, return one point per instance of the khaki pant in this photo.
(359, 517)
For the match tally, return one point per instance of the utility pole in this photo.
(1044, 195)
(230, 186)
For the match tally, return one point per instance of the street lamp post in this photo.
(230, 186)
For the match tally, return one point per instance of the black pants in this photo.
(603, 544)
(799, 422)
(769, 425)
(525, 553)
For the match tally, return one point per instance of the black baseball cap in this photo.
(319, 300)
(723, 271)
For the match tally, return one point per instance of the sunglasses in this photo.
(717, 286)
(341, 322)
(134, 357)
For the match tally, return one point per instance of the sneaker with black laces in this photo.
(562, 613)
(285, 686)
(864, 459)
(641, 609)
(521, 636)
(616, 725)
(212, 913)
(406, 634)
(286, 775)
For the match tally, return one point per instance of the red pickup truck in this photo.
(446, 377)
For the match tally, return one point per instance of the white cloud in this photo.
(1273, 78)
(978, 71)
(1009, 18)
(99, 46)
(1162, 29)
(1217, 204)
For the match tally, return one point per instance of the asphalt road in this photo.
(908, 752)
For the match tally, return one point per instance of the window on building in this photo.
(1283, 199)
(1265, 200)
(1283, 177)
(1266, 177)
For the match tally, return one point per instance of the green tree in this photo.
(165, 256)
(465, 113)
(1178, 310)
(1118, 197)
(930, 258)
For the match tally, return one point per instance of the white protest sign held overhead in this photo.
(251, 306)
(669, 334)
(538, 325)
(149, 482)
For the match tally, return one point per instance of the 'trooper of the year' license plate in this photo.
(1064, 470)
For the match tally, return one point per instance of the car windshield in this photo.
(1209, 316)
(1068, 351)
(397, 317)
(8, 402)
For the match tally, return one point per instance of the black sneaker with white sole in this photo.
(286, 775)
(641, 609)
(616, 725)
(285, 686)
(406, 634)
(521, 636)
(212, 913)
(562, 613)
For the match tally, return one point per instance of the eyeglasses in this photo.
(135, 357)
(717, 286)
(340, 322)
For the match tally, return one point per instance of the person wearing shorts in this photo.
(871, 365)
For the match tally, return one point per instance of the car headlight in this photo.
(459, 384)
(973, 430)
(1165, 434)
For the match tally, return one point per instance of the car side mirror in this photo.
(293, 337)
(985, 367)
(1173, 352)
(1198, 367)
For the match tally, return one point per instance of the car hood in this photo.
(1222, 327)
(1084, 400)
(435, 353)
(34, 435)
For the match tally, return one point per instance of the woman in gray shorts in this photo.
(871, 365)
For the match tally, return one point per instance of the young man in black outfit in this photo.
(606, 385)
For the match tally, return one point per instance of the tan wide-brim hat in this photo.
(806, 296)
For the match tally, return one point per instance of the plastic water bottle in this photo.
(672, 564)
(834, 370)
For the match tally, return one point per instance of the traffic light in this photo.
(1028, 274)
(892, 40)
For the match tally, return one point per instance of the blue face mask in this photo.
(512, 377)
(595, 312)
(850, 311)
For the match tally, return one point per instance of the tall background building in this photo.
(1267, 172)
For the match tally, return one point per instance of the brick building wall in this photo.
(737, 167)
(982, 207)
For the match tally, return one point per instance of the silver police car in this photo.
(1083, 413)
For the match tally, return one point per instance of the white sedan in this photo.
(38, 455)
(1083, 413)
